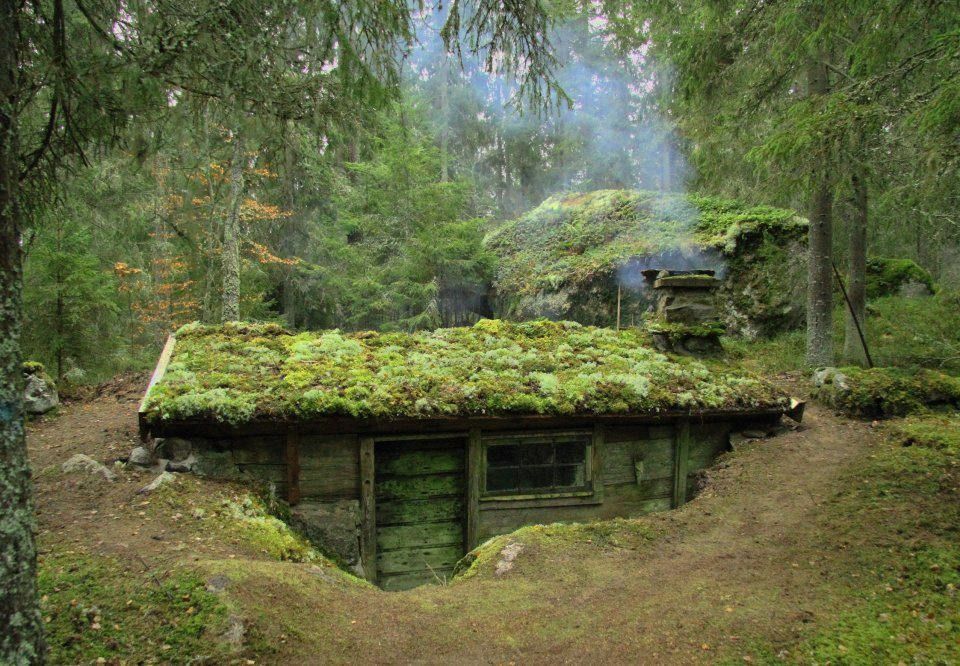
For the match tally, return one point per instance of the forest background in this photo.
(366, 208)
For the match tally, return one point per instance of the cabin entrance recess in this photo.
(419, 497)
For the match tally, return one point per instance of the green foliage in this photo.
(570, 239)
(70, 299)
(886, 276)
(401, 249)
(239, 371)
(33, 368)
(886, 392)
(916, 332)
(95, 609)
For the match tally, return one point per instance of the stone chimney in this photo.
(685, 319)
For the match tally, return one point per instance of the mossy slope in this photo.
(581, 244)
(239, 372)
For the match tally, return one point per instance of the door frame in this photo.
(368, 491)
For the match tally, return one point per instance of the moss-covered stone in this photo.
(886, 392)
(565, 258)
(238, 372)
(886, 277)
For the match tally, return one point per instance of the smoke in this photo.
(614, 135)
(617, 133)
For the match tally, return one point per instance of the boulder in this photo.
(39, 394)
(334, 527)
(140, 455)
(84, 463)
(184, 465)
(163, 479)
(581, 256)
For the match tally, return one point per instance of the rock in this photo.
(162, 479)
(141, 456)
(84, 463)
(334, 527)
(39, 395)
(235, 633)
(507, 557)
(823, 376)
(176, 449)
(217, 584)
(185, 465)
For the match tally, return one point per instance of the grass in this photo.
(903, 601)
(94, 609)
(902, 332)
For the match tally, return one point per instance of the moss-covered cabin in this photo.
(401, 452)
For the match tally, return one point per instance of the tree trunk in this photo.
(820, 246)
(288, 240)
(853, 350)
(21, 628)
(231, 235)
(445, 123)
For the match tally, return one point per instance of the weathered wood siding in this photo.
(329, 465)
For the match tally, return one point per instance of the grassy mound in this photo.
(565, 258)
(572, 238)
(887, 392)
(239, 372)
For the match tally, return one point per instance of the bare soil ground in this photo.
(758, 557)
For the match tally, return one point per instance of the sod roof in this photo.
(571, 238)
(239, 372)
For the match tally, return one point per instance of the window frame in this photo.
(586, 437)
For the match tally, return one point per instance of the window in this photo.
(541, 465)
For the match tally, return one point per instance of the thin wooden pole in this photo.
(856, 321)
(681, 452)
(619, 288)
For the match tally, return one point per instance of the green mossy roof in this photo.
(571, 238)
(242, 372)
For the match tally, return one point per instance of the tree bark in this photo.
(231, 235)
(21, 628)
(853, 350)
(820, 244)
(445, 123)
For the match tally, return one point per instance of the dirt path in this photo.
(753, 558)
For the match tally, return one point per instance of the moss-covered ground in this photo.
(239, 372)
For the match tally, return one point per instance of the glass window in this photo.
(516, 467)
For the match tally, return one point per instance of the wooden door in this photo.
(420, 510)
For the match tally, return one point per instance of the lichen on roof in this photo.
(571, 238)
(241, 372)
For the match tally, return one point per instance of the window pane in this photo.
(503, 455)
(537, 454)
(532, 478)
(504, 478)
(570, 476)
(571, 452)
